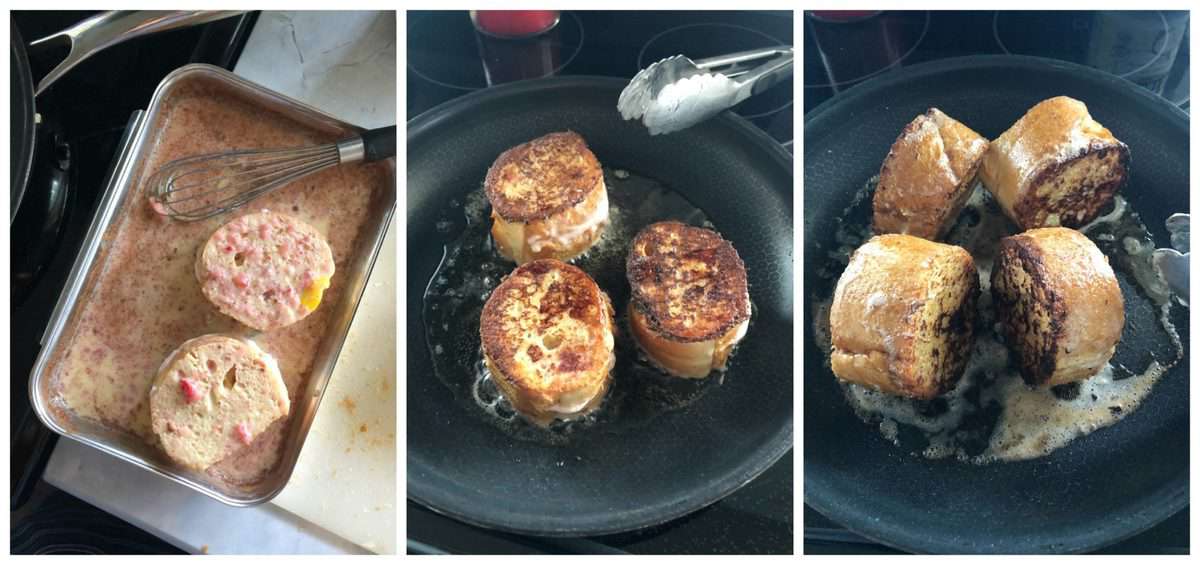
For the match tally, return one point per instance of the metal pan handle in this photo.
(91, 242)
(102, 31)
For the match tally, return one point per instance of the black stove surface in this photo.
(444, 59)
(84, 115)
(843, 49)
(444, 62)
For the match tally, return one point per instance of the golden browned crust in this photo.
(902, 318)
(1056, 166)
(542, 177)
(546, 332)
(688, 282)
(1059, 304)
(927, 175)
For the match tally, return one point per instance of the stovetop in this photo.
(444, 62)
(444, 55)
(81, 133)
(843, 49)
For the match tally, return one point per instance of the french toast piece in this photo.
(548, 199)
(1059, 304)
(903, 315)
(547, 334)
(212, 396)
(690, 304)
(927, 176)
(1055, 167)
(265, 270)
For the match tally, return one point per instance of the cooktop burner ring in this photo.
(1160, 46)
(642, 62)
(892, 65)
(427, 76)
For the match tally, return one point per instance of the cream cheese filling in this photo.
(563, 236)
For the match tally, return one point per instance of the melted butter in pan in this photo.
(471, 268)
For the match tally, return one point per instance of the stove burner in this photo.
(698, 41)
(1123, 43)
(442, 48)
(853, 50)
(39, 221)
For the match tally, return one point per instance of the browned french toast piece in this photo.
(547, 334)
(1055, 167)
(927, 176)
(548, 199)
(690, 304)
(903, 314)
(1059, 304)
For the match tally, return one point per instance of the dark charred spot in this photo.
(537, 268)
(570, 361)
(1082, 204)
(1014, 309)
(1069, 391)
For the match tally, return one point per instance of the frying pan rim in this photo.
(29, 105)
(780, 442)
(430, 118)
(1169, 499)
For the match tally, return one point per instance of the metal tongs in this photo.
(1172, 264)
(677, 92)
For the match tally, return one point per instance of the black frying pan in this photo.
(1099, 489)
(22, 128)
(615, 478)
(80, 41)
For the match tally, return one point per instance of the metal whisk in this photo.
(195, 188)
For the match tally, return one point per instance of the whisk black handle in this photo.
(379, 143)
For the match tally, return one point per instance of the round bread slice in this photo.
(548, 199)
(265, 270)
(903, 316)
(690, 303)
(547, 334)
(1059, 303)
(212, 396)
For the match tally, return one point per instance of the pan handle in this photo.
(104, 30)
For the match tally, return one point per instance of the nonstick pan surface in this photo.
(22, 126)
(1095, 491)
(618, 478)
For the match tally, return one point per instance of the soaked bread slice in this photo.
(265, 270)
(1055, 167)
(547, 335)
(903, 315)
(212, 396)
(1059, 303)
(927, 176)
(690, 304)
(548, 199)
